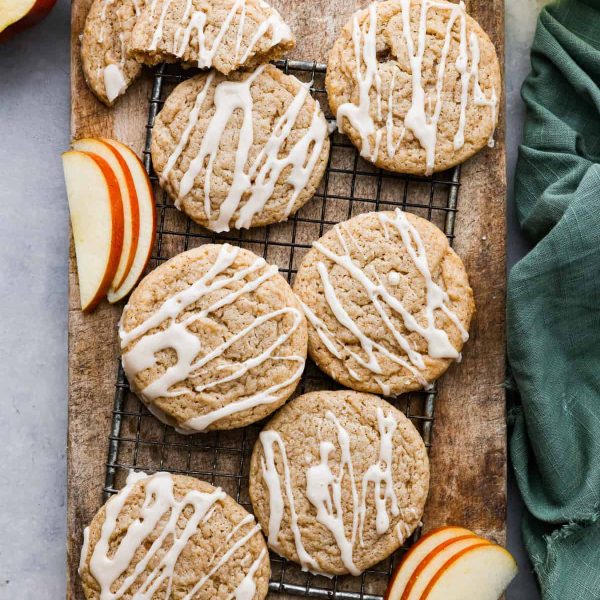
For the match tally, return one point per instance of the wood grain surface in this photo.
(468, 457)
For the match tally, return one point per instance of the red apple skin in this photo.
(116, 143)
(448, 563)
(124, 148)
(429, 557)
(135, 211)
(36, 14)
(409, 553)
(118, 221)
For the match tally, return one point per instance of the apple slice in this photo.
(430, 565)
(147, 221)
(16, 15)
(480, 572)
(131, 211)
(97, 221)
(411, 560)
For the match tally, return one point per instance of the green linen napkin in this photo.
(554, 304)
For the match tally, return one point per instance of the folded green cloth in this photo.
(554, 304)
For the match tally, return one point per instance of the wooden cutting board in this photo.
(468, 457)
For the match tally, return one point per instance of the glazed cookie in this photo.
(339, 481)
(169, 536)
(106, 35)
(387, 300)
(213, 339)
(242, 151)
(424, 94)
(224, 34)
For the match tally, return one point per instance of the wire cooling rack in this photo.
(350, 186)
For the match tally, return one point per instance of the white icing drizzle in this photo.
(438, 343)
(114, 81)
(209, 514)
(84, 549)
(270, 474)
(245, 521)
(160, 505)
(424, 126)
(187, 345)
(478, 95)
(280, 32)
(323, 331)
(346, 320)
(105, 6)
(153, 7)
(247, 587)
(342, 227)
(461, 64)
(240, 31)
(158, 31)
(386, 390)
(425, 129)
(266, 397)
(158, 502)
(381, 474)
(192, 120)
(196, 20)
(123, 48)
(413, 512)
(354, 375)
(365, 50)
(256, 185)
(229, 96)
(392, 147)
(329, 340)
(241, 542)
(394, 278)
(402, 531)
(113, 75)
(320, 479)
(324, 489)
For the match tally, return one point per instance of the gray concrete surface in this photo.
(34, 130)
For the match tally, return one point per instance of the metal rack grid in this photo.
(350, 186)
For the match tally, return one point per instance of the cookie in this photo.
(105, 41)
(242, 151)
(213, 339)
(223, 34)
(387, 300)
(424, 94)
(169, 536)
(339, 481)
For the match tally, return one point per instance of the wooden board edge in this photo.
(479, 407)
(85, 479)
